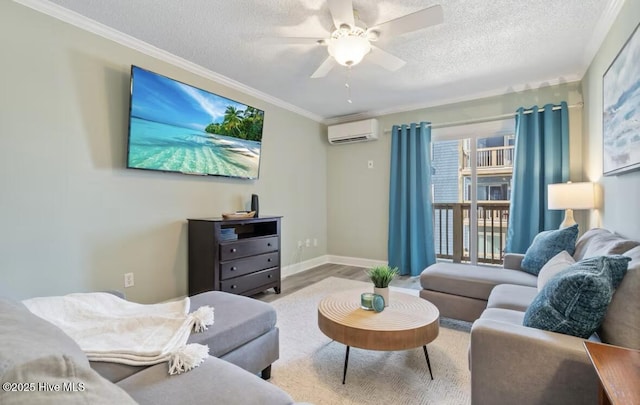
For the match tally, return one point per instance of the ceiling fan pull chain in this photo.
(347, 85)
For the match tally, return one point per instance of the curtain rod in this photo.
(491, 118)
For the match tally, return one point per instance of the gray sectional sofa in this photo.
(511, 363)
(460, 291)
(242, 342)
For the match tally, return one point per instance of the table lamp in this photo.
(570, 196)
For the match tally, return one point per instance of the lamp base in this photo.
(568, 219)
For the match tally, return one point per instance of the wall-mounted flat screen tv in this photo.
(175, 127)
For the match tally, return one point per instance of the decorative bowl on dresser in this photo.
(239, 256)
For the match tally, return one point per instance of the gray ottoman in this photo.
(243, 333)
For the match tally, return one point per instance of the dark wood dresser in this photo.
(239, 256)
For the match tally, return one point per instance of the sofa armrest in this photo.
(513, 261)
(117, 293)
(514, 364)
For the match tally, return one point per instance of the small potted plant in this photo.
(381, 276)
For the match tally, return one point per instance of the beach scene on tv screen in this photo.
(180, 128)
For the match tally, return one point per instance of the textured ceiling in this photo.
(482, 48)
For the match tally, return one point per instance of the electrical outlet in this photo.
(308, 242)
(299, 244)
(128, 280)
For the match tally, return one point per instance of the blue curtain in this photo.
(411, 244)
(541, 158)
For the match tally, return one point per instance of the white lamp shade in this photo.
(349, 50)
(576, 196)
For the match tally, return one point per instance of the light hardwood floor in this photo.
(300, 280)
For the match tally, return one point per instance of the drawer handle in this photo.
(233, 286)
(270, 275)
(234, 268)
(234, 250)
(269, 259)
(269, 244)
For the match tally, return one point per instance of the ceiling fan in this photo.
(351, 40)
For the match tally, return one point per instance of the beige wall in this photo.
(73, 218)
(620, 194)
(358, 197)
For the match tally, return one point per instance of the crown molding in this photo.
(453, 100)
(600, 32)
(602, 29)
(87, 24)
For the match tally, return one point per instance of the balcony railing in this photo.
(452, 228)
(489, 158)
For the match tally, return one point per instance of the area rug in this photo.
(310, 365)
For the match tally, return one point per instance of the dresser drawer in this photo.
(248, 265)
(243, 248)
(239, 285)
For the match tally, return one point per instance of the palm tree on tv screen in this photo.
(243, 124)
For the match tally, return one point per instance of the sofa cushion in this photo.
(621, 325)
(575, 301)
(511, 296)
(547, 244)
(554, 266)
(505, 315)
(513, 317)
(115, 372)
(36, 351)
(238, 320)
(601, 242)
(215, 381)
(471, 281)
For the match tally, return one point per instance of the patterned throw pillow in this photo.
(547, 244)
(575, 301)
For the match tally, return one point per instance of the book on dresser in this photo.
(239, 256)
(228, 234)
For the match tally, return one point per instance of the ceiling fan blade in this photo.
(385, 59)
(411, 22)
(341, 12)
(325, 68)
(296, 40)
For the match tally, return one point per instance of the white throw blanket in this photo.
(109, 328)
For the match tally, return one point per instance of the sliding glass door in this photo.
(471, 192)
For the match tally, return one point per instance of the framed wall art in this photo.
(621, 110)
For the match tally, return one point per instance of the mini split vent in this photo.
(358, 131)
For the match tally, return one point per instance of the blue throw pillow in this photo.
(547, 244)
(575, 301)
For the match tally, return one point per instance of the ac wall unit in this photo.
(357, 131)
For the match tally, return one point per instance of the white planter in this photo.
(384, 292)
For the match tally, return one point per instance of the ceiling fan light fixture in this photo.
(349, 50)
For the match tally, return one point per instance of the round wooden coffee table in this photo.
(407, 323)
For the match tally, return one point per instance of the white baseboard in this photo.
(302, 266)
(320, 260)
(355, 261)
